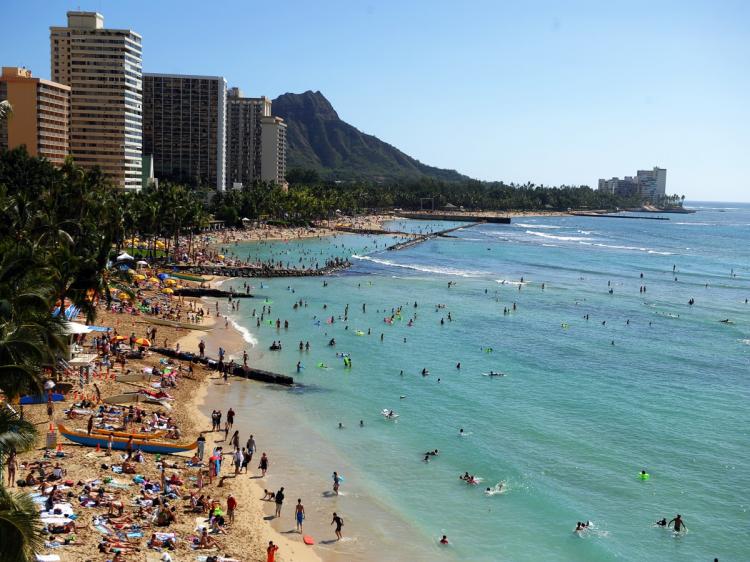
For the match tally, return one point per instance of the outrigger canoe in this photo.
(121, 443)
(145, 436)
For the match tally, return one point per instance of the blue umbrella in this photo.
(163, 276)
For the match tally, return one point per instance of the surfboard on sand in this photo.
(307, 539)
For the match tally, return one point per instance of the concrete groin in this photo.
(424, 237)
(255, 271)
(604, 215)
(205, 292)
(236, 370)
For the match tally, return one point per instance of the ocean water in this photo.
(647, 382)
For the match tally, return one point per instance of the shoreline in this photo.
(247, 490)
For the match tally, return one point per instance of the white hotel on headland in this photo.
(647, 184)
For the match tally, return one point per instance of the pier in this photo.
(237, 370)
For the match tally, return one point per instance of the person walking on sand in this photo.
(12, 465)
(263, 466)
(231, 506)
(336, 482)
(271, 552)
(339, 523)
(299, 515)
(250, 447)
(279, 501)
(201, 445)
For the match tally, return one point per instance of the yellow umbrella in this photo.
(160, 244)
(178, 286)
(131, 272)
(167, 291)
(153, 280)
(140, 277)
(170, 282)
(124, 296)
(220, 256)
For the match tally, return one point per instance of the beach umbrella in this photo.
(125, 257)
(118, 338)
(49, 385)
(163, 276)
(220, 256)
(179, 287)
(124, 297)
(160, 244)
(153, 280)
(167, 291)
(142, 341)
(139, 276)
(131, 272)
(171, 282)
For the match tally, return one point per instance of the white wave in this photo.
(746, 342)
(553, 237)
(525, 225)
(696, 223)
(244, 332)
(423, 268)
(633, 248)
(509, 282)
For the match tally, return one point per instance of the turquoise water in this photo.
(661, 386)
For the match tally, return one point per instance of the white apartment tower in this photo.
(104, 71)
(273, 157)
(244, 137)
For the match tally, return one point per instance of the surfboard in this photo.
(307, 539)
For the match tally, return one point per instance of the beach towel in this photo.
(47, 558)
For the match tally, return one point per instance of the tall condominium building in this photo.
(652, 184)
(244, 137)
(647, 184)
(184, 128)
(273, 157)
(40, 114)
(103, 69)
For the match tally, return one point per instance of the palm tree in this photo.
(20, 527)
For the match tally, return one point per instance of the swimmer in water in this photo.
(341, 425)
(679, 524)
(662, 522)
(461, 431)
(444, 540)
(361, 423)
(580, 527)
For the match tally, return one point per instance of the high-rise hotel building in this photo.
(103, 69)
(184, 128)
(244, 137)
(273, 159)
(40, 115)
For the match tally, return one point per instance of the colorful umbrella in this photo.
(142, 341)
(167, 291)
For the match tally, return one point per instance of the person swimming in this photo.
(580, 526)
(662, 522)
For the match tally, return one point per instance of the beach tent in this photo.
(125, 257)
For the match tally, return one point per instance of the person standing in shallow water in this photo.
(339, 523)
(679, 524)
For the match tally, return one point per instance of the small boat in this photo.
(41, 398)
(140, 396)
(136, 435)
(121, 443)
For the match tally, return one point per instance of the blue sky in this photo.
(550, 92)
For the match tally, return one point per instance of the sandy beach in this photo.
(246, 539)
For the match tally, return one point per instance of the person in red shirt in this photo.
(271, 550)
(231, 506)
